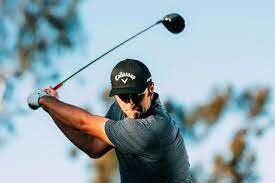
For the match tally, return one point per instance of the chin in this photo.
(134, 115)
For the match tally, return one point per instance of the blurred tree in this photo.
(31, 33)
(237, 164)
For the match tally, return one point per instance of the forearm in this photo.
(67, 114)
(92, 146)
(76, 118)
(78, 138)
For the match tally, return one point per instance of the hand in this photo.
(33, 99)
(52, 92)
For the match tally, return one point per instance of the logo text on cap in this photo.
(124, 74)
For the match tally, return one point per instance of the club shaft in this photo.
(107, 52)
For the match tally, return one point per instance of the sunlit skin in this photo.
(85, 130)
(52, 92)
(133, 110)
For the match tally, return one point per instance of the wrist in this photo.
(42, 100)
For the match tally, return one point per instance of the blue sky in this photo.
(223, 43)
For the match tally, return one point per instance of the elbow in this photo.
(94, 156)
(92, 153)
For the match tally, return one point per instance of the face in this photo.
(133, 105)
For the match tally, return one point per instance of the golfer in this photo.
(148, 144)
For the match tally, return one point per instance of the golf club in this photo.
(173, 22)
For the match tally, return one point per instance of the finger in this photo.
(47, 91)
(52, 90)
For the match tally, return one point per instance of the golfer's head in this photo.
(132, 87)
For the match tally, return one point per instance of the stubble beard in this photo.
(133, 114)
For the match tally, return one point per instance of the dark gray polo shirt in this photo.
(150, 149)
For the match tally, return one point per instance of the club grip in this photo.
(57, 86)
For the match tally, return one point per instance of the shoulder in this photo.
(162, 125)
(114, 112)
(160, 120)
(131, 135)
(114, 107)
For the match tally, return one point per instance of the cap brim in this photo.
(117, 91)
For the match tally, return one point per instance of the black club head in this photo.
(174, 23)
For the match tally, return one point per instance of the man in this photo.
(148, 145)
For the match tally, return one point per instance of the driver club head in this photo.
(174, 23)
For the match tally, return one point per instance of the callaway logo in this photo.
(122, 75)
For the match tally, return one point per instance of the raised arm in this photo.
(83, 129)
(75, 118)
(92, 146)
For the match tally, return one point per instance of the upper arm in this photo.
(95, 126)
(97, 148)
(90, 145)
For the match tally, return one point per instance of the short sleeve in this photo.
(114, 113)
(131, 135)
(109, 113)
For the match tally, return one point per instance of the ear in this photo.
(151, 89)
